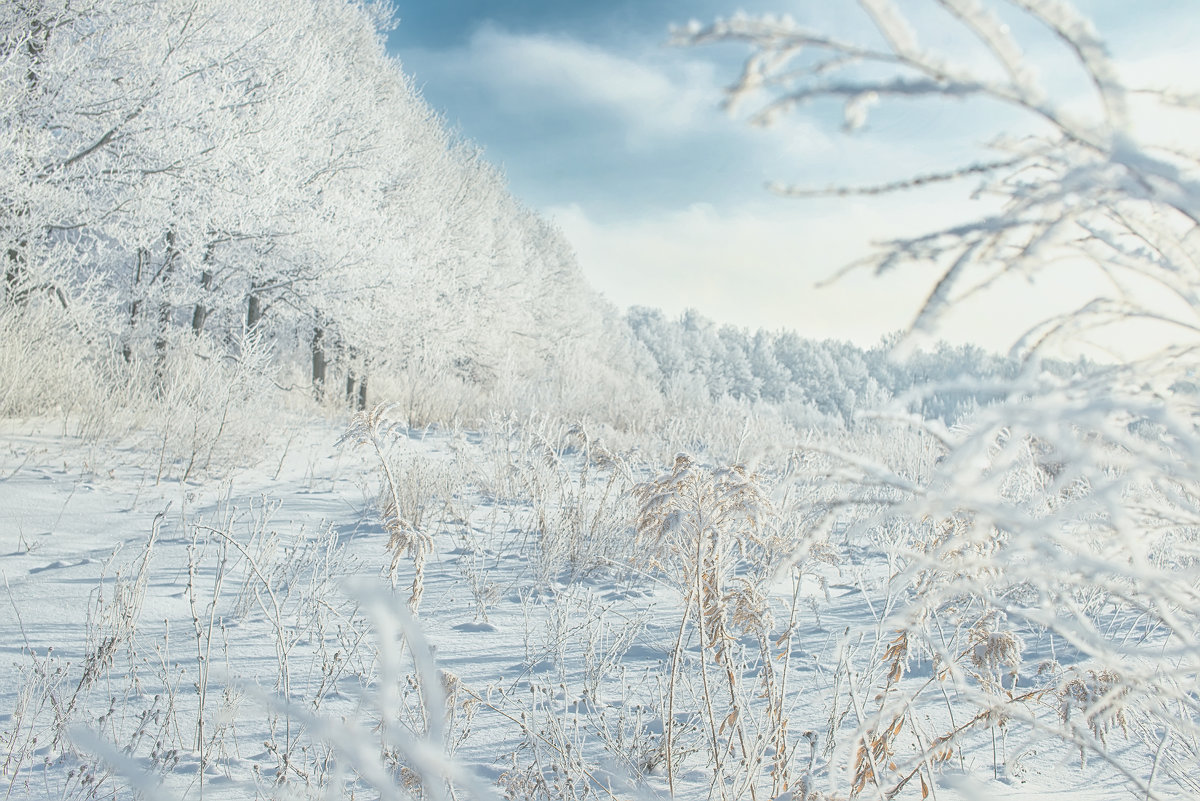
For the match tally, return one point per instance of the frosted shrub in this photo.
(428, 395)
(402, 520)
(582, 502)
(1054, 594)
(44, 364)
(1073, 501)
(580, 512)
(703, 529)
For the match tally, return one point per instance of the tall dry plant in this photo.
(372, 428)
(702, 527)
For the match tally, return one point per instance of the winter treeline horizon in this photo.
(198, 197)
(696, 357)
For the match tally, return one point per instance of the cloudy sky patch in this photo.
(620, 139)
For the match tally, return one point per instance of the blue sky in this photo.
(616, 136)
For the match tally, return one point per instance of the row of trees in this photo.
(187, 175)
(836, 378)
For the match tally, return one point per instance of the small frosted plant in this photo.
(1100, 696)
(372, 427)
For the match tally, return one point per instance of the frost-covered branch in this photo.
(1080, 175)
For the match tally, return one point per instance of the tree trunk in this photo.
(127, 348)
(12, 275)
(164, 316)
(160, 348)
(318, 363)
(200, 312)
(14, 268)
(351, 358)
(254, 309)
(135, 305)
(33, 49)
(356, 383)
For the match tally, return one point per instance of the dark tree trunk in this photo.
(351, 378)
(254, 309)
(318, 363)
(135, 306)
(356, 382)
(200, 312)
(13, 269)
(34, 46)
(160, 347)
(164, 315)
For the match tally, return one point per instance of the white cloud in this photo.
(751, 268)
(1160, 123)
(567, 72)
(761, 267)
(654, 95)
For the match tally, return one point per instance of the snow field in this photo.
(240, 636)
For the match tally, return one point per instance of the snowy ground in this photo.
(270, 583)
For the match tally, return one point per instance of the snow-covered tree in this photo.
(192, 177)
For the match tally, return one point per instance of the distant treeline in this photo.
(694, 354)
